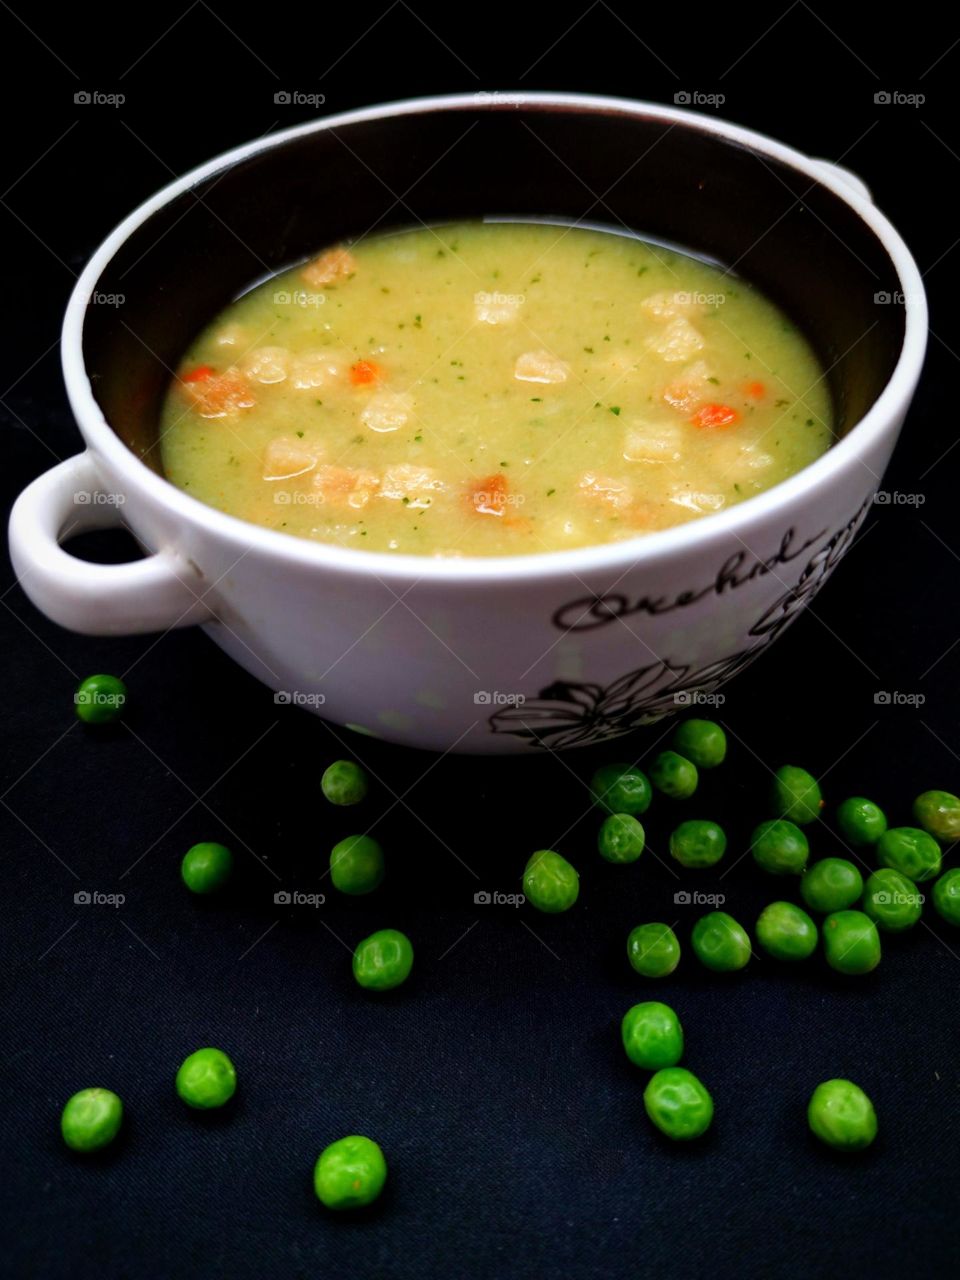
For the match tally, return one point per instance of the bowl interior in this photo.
(793, 238)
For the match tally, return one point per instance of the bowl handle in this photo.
(154, 594)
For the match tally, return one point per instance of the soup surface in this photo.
(493, 388)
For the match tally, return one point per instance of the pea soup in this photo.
(493, 388)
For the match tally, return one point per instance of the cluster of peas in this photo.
(840, 1113)
(351, 1172)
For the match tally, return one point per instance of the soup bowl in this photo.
(509, 654)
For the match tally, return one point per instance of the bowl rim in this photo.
(622, 555)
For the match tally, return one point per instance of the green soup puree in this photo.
(493, 388)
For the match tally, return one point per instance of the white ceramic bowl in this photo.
(481, 655)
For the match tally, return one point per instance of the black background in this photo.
(494, 1080)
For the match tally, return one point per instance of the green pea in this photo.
(946, 896)
(621, 838)
(91, 1119)
(842, 1116)
(796, 794)
(349, 1173)
(356, 865)
(851, 942)
(910, 850)
(653, 950)
(701, 741)
(674, 775)
(206, 867)
(831, 884)
(861, 822)
(652, 1036)
(720, 942)
(939, 813)
(780, 847)
(100, 699)
(384, 960)
(698, 843)
(206, 1079)
(344, 782)
(621, 788)
(786, 932)
(678, 1104)
(550, 883)
(892, 901)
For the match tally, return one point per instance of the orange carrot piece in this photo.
(199, 374)
(715, 415)
(489, 498)
(754, 390)
(364, 372)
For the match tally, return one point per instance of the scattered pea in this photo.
(356, 865)
(701, 741)
(344, 782)
(550, 883)
(674, 775)
(698, 843)
(938, 812)
(796, 794)
(652, 1035)
(780, 847)
(349, 1173)
(861, 822)
(678, 1104)
(892, 900)
(621, 838)
(910, 850)
(786, 932)
(720, 943)
(851, 942)
(653, 950)
(383, 961)
(91, 1119)
(946, 896)
(831, 885)
(100, 699)
(206, 1079)
(621, 788)
(206, 867)
(841, 1115)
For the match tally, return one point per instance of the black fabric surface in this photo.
(512, 1123)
